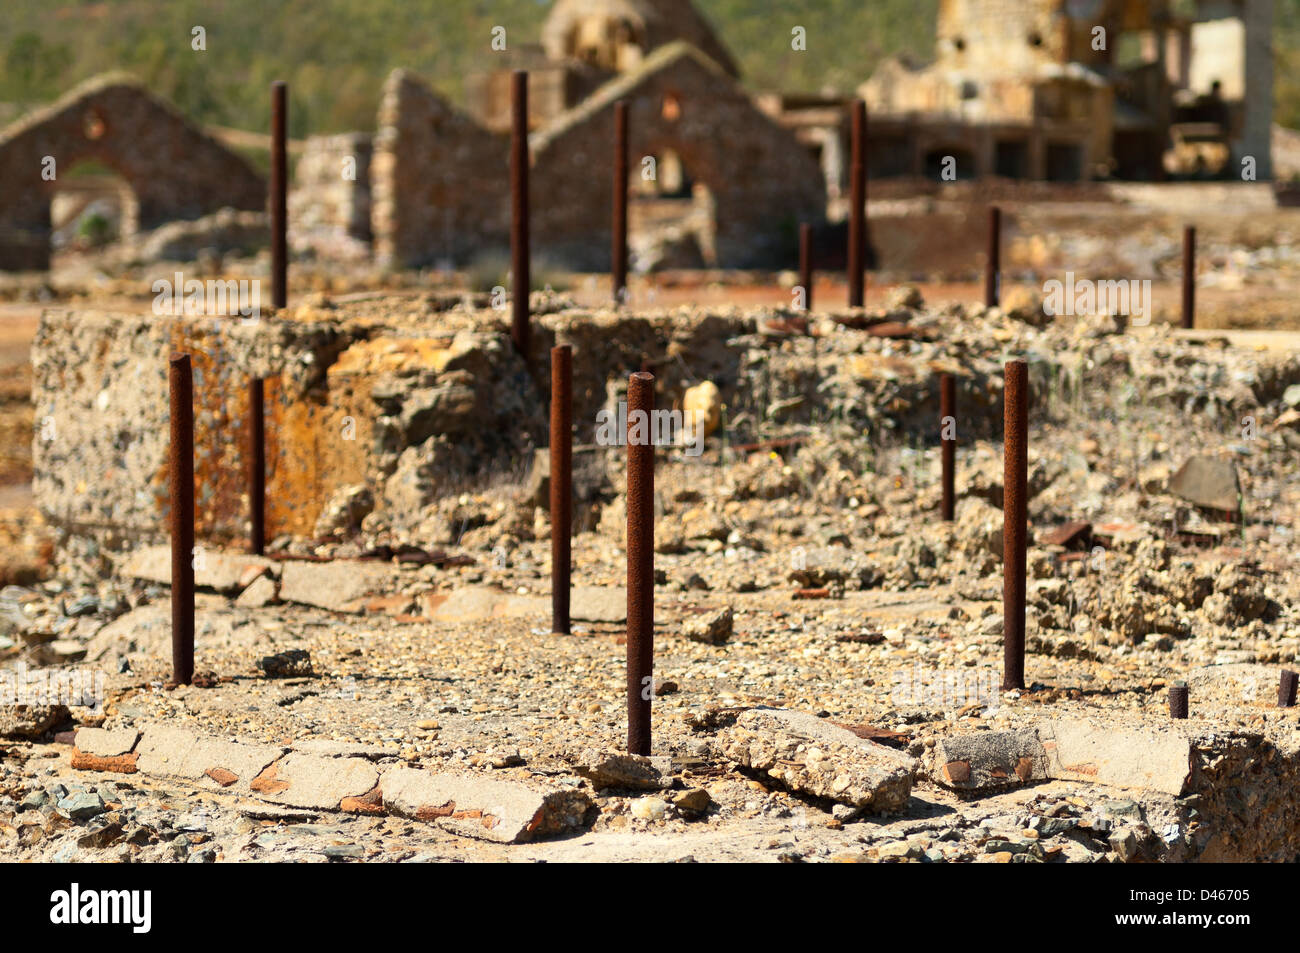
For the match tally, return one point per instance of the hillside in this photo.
(335, 53)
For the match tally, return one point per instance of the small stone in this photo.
(81, 806)
(293, 663)
(694, 801)
(649, 809)
(712, 628)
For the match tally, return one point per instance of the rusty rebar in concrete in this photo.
(279, 196)
(948, 445)
(993, 264)
(806, 265)
(520, 330)
(256, 467)
(1189, 276)
(180, 473)
(1178, 700)
(640, 560)
(1286, 689)
(857, 206)
(561, 483)
(1014, 520)
(618, 251)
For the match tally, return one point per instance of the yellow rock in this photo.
(703, 402)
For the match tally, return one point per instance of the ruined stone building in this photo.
(715, 182)
(1068, 90)
(168, 168)
(1054, 90)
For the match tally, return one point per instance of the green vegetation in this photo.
(336, 53)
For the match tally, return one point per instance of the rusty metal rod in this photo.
(948, 445)
(1014, 522)
(1189, 277)
(618, 264)
(520, 331)
(1286, 689)
(857, 206)
(561, 483)
(279, 196)
(180, 473)
(806, 265)
(993, 263)
(1178, 700)
(640, 560)
(256, 467)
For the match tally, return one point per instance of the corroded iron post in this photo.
(561, 483)
(279, 196)
(1014, 524)
(180, 473)
(640, 560)
(520, 330)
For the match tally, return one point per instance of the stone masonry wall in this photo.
(439, 182)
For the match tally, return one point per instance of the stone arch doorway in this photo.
(91, 205)
(672, 214)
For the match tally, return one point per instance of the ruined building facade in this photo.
(1068, 90)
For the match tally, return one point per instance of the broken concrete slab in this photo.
(258, 593)
(1209, 482)
(184, 754)
(339, 586)
(476, 806)
(1143, 758)
(806, 753)
(598, 604)
(631, 772)
(105, 743)
(343, 749)
(221, 571)
(311, 781)
(988, 760)
(476, 603)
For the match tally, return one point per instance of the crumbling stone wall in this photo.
(763, 183)
(175, 170)
(440, 182)
(402, 403)
(329, 204)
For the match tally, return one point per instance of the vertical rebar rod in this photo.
(1178, 700)
(993, 263)
(640, 560)
(806, 265)
(857, 206)
(279, 196)
(180, 472)
(1286, 689)
(256, 467)
(1189, 277)
(561, 483)
(618, 264)
(520, 331)
(1014, 525)
(948, 445)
